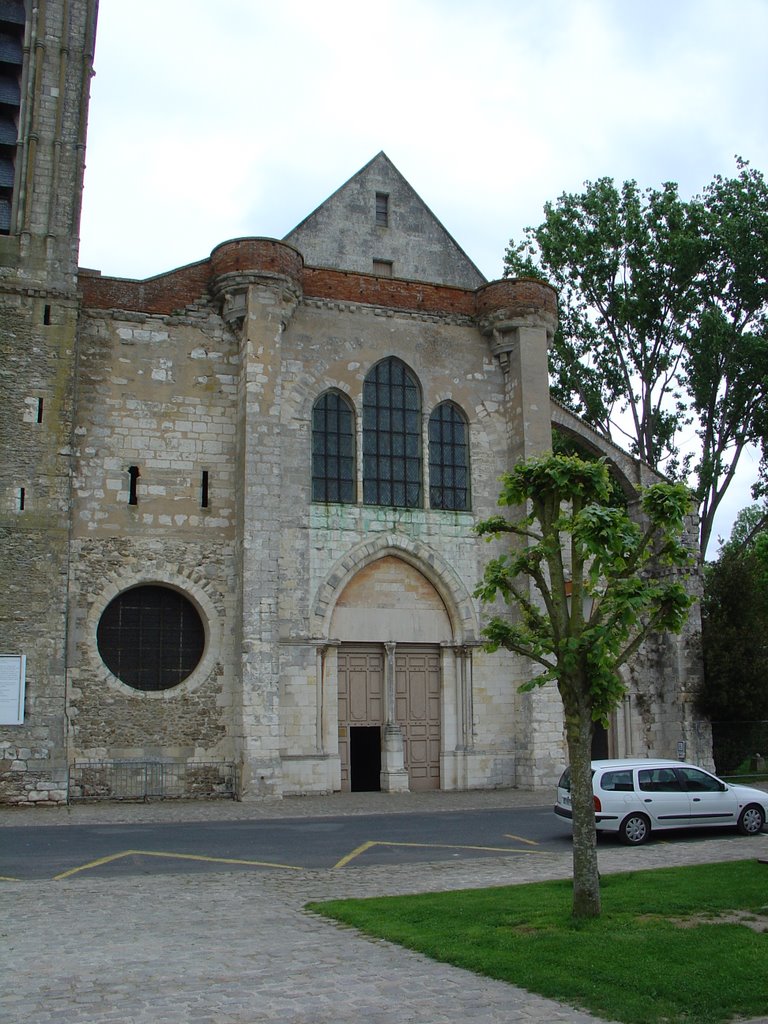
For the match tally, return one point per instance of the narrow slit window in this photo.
(39, 410)
(133, 478)
(382, 209)
(22, 498)
(47, 316)
(204, 489)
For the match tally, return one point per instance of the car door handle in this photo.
(696, 799)
(648, 800)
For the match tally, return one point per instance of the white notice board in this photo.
(13, 672)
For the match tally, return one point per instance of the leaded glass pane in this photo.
(448, 458)
(391, 435)
(333, 431)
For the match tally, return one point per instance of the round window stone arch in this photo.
(151, 637)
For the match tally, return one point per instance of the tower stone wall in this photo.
(38, 368)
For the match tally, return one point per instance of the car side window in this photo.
(617, 782)
(658, 780)
(699, 782)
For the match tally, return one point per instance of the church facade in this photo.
(238, 498)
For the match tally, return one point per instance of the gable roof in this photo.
(344, 233)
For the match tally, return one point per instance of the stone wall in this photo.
(38, 326)
(37, 334)
(345, 233)
(159, 394)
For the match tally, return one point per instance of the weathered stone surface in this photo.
(160, 433)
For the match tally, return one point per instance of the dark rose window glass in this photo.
(151, 637)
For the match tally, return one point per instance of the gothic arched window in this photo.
(448, 458)
(333, 449)
(392, 436)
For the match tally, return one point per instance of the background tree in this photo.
(664, 306)
(735, 627)
(585, 582)
(726, 358)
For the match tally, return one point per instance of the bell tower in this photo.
(46, 63)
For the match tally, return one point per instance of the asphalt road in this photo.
(277, 844)
(290, 844)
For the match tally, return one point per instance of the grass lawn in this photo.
(662, 951)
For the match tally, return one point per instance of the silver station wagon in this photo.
(636, 797)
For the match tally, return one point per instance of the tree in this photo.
(664, 306)
(735, 624)
(726, 358)
(588, 585)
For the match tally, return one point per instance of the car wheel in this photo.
(635, 829)
(751, 820)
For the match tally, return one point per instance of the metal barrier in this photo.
(151, 780)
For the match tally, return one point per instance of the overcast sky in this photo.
(213, 121)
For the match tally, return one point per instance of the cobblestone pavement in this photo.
(238, 947)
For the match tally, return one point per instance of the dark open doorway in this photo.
(599, 741)
(365, 758)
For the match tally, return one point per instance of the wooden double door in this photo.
(363, 702)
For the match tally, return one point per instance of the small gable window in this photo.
(333, 449)
(448, 458)
(392, 436)
(382, 210)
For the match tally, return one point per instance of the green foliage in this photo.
(593, 569)
(587, 588)
(750, 526)
(568, 444)
(523, 935)
(726, 357)
(663, 312)
(735, 625)
(625, 264)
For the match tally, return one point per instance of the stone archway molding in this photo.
(631, 473)
(451, 589)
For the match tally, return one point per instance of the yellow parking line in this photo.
(176, 856)
(429, 846)
(355, 853)
(220, 860)
(92, 864)
(520, 839)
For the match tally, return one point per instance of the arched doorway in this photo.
(391, 622)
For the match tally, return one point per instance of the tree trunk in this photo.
(586, 877)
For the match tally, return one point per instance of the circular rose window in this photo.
(151, 637)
